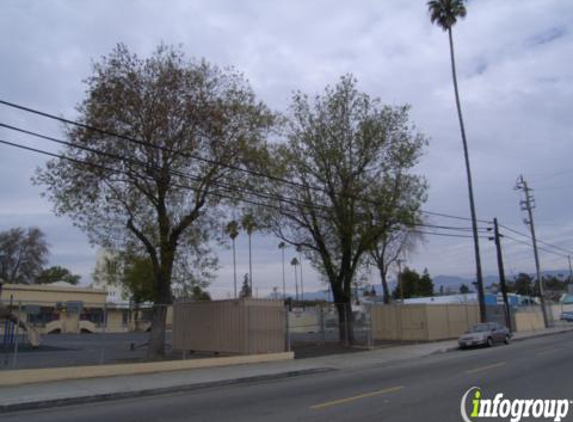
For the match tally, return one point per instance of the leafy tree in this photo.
(425, 287)
(341, 151)
(554, 287)
(464, 289)
(522, 285)
(190, 276)
(23, 253)
(246, 288)
(411, 284)
(139, 279)
(445, 13)
(406, 284)
(193, 124)
(57, 273)
(200, 295)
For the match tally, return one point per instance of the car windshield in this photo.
(479, 328)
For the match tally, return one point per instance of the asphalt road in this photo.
(428, 389)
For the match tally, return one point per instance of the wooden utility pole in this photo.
(527, 205)
(502, 282)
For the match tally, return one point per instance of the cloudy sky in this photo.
(515, 76)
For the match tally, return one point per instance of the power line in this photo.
(116, 171)
(295, 202)
(203, 159)
(195, 178)
(538, 240)
(529, 244)
(463, 236)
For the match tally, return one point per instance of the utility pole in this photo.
(502, 282)
(528, 204)
(570, 271)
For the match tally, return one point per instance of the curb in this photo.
(513, 340)
(562, 331)
(68, 401)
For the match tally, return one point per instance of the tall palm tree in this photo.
(294, 263)
(248, 223)
(282, 247)
(232, 229)
(445, 14)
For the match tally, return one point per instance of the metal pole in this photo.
(250, 265)
(570, 269)
(15, 355)
(502, 274)
(235, 267)
(284, 283)
(287, 329)
(301, 285)
(296, 282)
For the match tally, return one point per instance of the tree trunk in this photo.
(479, 278)
(345, 323)
(156, 348)
(385, 290)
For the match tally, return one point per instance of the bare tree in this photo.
(23, 254)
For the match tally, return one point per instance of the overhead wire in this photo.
(218, 194)
(538, 240)
(203, 159)
(257, 193)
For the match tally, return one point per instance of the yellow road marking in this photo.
(358, 397)
(484, 368)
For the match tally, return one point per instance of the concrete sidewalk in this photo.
(32, 396)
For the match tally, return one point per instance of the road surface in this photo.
(428, 389)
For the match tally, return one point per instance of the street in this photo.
(427, 389)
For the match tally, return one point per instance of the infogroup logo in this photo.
(513, 409)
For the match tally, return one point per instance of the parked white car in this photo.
(486, 334)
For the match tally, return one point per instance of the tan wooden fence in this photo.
(422, 322)
(244, 326)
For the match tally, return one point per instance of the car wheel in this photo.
(507, 339)
(489, 342)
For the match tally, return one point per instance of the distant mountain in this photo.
(450, 284)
